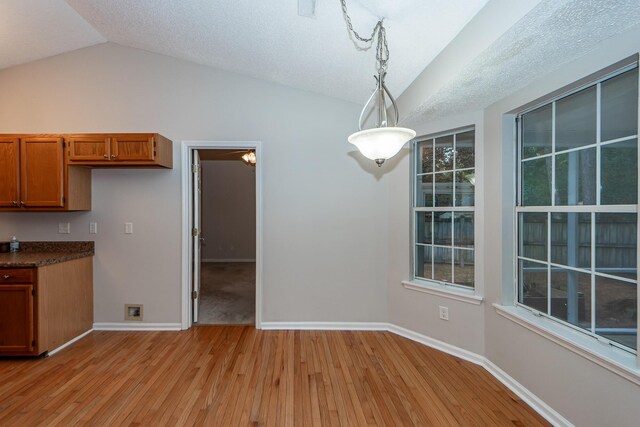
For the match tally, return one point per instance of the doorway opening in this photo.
(221, 234)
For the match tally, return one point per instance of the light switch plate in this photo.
(64, 228)
(93, 228)
(128, 228)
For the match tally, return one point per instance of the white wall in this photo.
(582, 391)
(228, 211)
(325, 243)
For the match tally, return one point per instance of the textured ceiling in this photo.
(268, 40)
(554, 33)
(35, 29)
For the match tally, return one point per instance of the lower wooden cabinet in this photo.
(17, 319)
(45, 307)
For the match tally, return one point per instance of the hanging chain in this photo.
(382, 48)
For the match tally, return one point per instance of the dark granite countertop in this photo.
(38, 254)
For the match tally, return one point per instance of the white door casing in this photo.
(196, 233)
(187, 148)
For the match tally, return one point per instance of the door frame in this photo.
(187, 220)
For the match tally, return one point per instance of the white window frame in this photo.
(592, 210)
(431, 286)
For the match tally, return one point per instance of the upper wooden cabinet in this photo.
(41, 172)
(120, 150)
(53, 172)
(9, 171)
(33, 176)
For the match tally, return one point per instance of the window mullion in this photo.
(593, 271)
(549, 263)
(553, 154)
(637, 252)
(598, 140)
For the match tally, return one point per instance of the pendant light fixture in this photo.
(385, 139)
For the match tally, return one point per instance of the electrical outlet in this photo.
(128, 228)
(93, 228)
(444, 313)
(64, 228)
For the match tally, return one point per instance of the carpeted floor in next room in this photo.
(228, 293)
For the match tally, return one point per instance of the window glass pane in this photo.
(571, 297)
(536, 182)
(571, 239)
(536, 132)
(442, 228)
(616, 240)
(425, 156)
(620, 173)
(576, 119)
(576, 178)
(533, 285)
(463, 267)
(423, 261)
(424, 191)
(465, 188)
(444, 153)
(423, 227)
(442, 264)
(533, 235)
(444, 189)
(465, 150)
(463, 229)
(620, 106)
(617, 310)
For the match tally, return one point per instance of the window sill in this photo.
(463, 295)
(614, 359)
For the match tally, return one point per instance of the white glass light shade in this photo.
(382, 143)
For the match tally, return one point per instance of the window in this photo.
(577, 210)
(443, 208)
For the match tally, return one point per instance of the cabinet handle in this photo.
(105, 156)
(114, 156)
(6, 276)
(21, 203)
(15, 203)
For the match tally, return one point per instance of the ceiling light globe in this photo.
(382, 143)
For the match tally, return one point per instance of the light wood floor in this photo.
(236, 375)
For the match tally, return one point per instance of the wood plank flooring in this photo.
(236, 375)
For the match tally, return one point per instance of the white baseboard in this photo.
(518, 389)
(523, 393)
(136, 326)
(326, 326)
(67, 344)
(467, 355)
(227, 260)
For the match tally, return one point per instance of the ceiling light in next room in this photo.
(307, 8)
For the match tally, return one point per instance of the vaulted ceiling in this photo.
(262, 39)
(510, 43)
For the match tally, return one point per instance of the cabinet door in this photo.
(9, 164)
(41, 172)
(16, 319)
(133, 148)
(89, 148)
